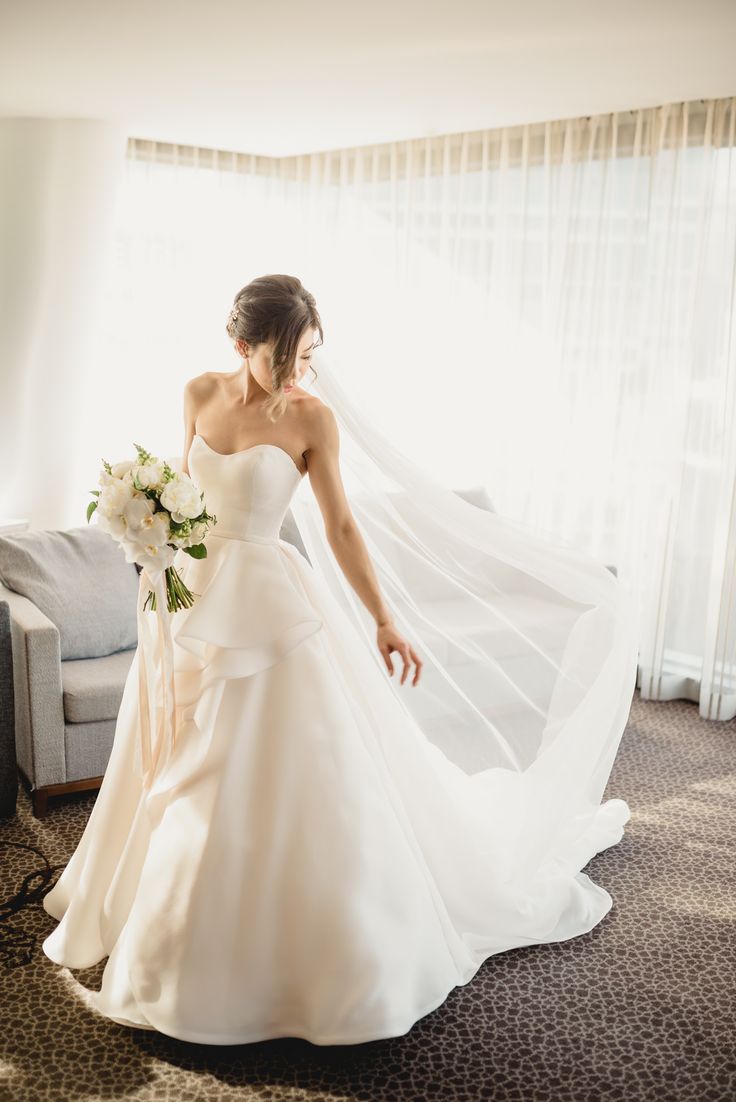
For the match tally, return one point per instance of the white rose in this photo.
(148, 475)
(182, 498)
(114, 496)
(122, 468)
(194, 536)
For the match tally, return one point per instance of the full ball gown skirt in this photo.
(306, 863)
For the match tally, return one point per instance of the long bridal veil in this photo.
(528, 644)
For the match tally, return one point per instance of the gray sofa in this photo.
(72, 602)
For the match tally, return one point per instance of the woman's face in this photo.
(260, 361)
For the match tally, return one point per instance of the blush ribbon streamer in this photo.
(156, 683)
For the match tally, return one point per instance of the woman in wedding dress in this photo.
(390, 749)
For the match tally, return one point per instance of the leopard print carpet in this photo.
(643, 1007)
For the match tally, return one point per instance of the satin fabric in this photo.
(305, 861)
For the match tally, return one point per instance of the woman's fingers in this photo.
(408, 655)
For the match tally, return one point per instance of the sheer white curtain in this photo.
(545, 309)
(58, 181)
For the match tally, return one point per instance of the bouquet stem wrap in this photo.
(156, 686)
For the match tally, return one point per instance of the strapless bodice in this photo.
(248, 491)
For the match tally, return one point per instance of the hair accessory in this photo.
(233, 316)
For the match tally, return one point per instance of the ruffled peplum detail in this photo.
(250, 611)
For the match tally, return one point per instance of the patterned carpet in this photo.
(643, 1007)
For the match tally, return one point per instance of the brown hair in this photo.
(278, 309)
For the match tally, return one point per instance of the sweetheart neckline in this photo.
(252, 447)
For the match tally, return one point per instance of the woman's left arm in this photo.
(345, 539)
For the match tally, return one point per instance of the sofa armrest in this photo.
(39, 706)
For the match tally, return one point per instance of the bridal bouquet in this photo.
(153, 511)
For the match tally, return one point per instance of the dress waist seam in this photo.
(248, 538)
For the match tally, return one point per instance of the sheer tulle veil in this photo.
(528, 644)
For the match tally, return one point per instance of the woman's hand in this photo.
(388, 640)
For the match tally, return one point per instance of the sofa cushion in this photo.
(79, 578)
(92, 688)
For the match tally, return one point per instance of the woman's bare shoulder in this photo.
(197, 391)
(318, 420)
(308, 403)
(311, 408)
(199, 383)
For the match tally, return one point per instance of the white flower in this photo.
(155, 559)
(114, 496)
(153, 531)
(115, 525)
(122, 468)
(147, 476)
(139, 511)
(148, 545)
(132, 550)
(193, 537)
(182, 498)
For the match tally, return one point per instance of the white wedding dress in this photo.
(306, 862)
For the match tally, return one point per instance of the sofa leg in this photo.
(40, 796)
(40, 802)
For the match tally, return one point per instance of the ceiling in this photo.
(286, 77)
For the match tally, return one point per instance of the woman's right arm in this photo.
(191, 396)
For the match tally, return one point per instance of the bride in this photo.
(392, 740)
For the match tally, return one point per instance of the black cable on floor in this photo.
(16, 945)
